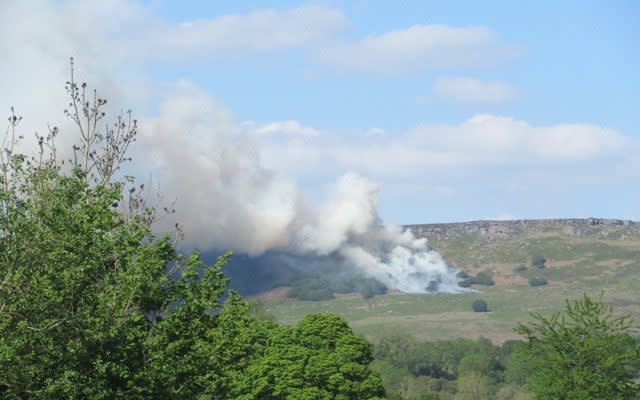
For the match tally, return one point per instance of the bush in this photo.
(372, 288)
(462, 275)
(433, 286)
(481, 278)
(538, 261)
(537, 282)
(314, 289)
(484, 279)
(465, 283)
(346, 284)
(480, 306)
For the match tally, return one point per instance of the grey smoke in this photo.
(227, 199)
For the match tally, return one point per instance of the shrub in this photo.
(342, 283)
(483, 279)
(480, 306)
(433, 286)
(538, 261)
(314, 289)
(462, 275)
(349, 284)
(537, 282)
(372, 288)
(465, 283)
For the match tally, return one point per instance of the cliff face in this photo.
(491, 230)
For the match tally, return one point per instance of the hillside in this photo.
(594, 248)
(582, 255)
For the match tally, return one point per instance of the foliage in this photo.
(473, 386)
(482, 362)
(449, 368)
(462, 275)
(313, 289)
(538, 261)
(320, 358)
(584, 352)
(93, 305)
(480, 306)
(481, 278)
(537, 282)
(513, 392)
(372, 287)
(323, 288)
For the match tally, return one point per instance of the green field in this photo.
(608, 261)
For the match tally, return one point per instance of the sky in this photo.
(454, 111)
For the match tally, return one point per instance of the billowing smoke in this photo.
(197, 154)
(227, 199)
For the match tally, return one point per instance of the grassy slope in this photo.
(575, 265)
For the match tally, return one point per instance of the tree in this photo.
(473, 386)
(584, 352)
(481, 362)
(513, 392)
(93, 305)
(320, 358)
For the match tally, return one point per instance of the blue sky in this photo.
(457, 110)
(574, 62)
(577, 61)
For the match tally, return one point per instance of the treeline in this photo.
(448, 369)
(583, 352)
(325, 287)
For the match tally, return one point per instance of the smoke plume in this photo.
(196, 153)
(227, 199)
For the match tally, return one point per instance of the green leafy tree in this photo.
(482, 362)
(93, 305)
(320, 358)
(513, 392)
(584, 352)
(474, 386)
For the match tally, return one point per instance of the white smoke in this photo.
(227, 199)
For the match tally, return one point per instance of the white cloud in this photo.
(473, 91)
(263, 30)
(289, 127)
(419, 47)
(483, 140)
(125, 31)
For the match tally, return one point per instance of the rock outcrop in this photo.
(586, 227)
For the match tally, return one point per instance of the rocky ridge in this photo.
(578, 227)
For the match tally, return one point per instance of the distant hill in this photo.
(489, 229)
(500, 247)
(581, 255)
